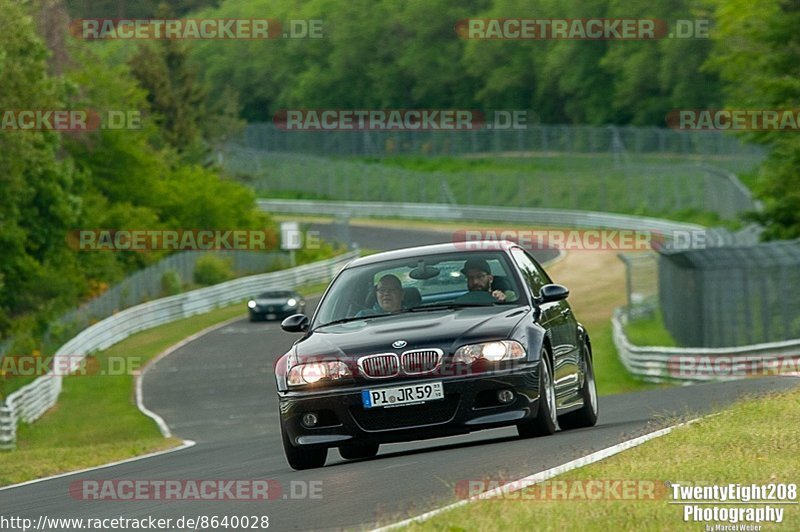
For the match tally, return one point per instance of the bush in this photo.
(211, 269)
(170, 283)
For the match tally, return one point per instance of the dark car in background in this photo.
(276, 305)
(478, 338)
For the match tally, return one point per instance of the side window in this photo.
(533, 275)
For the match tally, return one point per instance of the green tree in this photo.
(177, 100)
(654, 77)
(38, 192)
(131, 8)
(757, 53)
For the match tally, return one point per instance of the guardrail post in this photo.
(8, 429)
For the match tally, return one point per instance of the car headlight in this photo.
(251, 304)
(312, 372)
(292, 302)
(490, 351)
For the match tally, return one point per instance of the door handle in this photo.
(565, 312)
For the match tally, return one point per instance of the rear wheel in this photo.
(587, 415)
(300, 458)
(354, 451)
(545, 422)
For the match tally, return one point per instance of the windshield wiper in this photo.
(340, 320)
(356, 318)
(449, 306)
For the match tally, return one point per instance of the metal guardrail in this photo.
(32, 400)
(442, 211)
(535, 217)
(699, 364)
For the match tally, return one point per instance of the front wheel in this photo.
(545, 422)
(587, 415)
(300, 458)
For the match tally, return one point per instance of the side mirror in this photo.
(553, 292)
(295, 323)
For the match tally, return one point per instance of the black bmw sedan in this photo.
(433, 341)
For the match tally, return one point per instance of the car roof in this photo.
(473, 246)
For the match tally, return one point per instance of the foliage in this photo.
(137, 9)
(757, 54)
(57, 182)
(212, 269)
(383, 53)
(171, 283)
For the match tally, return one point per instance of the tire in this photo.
(546, 421)
(300, 458)
(253, 317)
(355, 451)
(587, 415)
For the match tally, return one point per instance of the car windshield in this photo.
(419, 284)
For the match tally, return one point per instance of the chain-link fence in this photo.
(731, 296)
(626, 170)
(148, 284)
(734, 292)
(641, 283)
(620, 141)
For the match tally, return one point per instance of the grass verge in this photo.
(649, 331)
(756, 441)
(610, 375)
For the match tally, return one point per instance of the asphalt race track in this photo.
(219, 391)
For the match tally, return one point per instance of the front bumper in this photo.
(470, 404)
(276, 313)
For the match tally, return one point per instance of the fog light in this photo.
(310, 419)
(505, 396)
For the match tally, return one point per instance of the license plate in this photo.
(402, 395)
(271, 316)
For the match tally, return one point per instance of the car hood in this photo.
(446, 330)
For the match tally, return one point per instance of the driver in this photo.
(390, 297)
